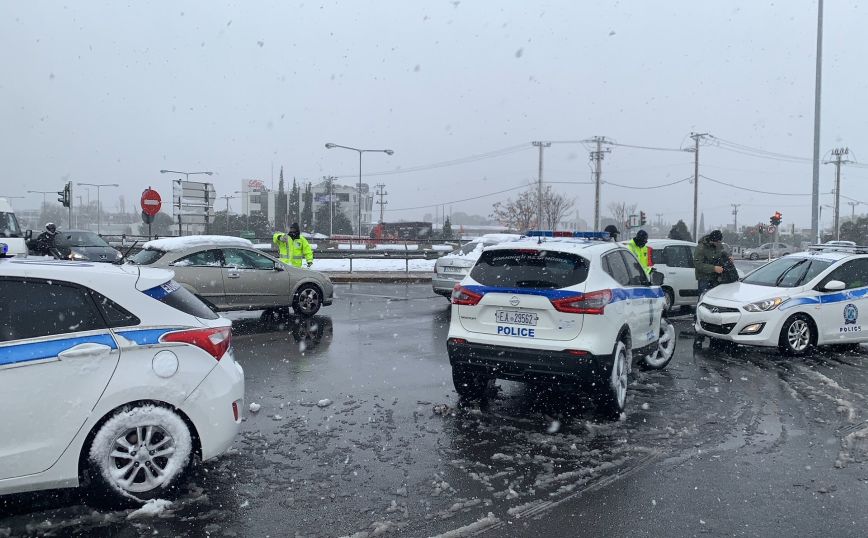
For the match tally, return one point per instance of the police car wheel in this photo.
(665, 350)
(613, 390)
(797, 335)
(469, 384)
(307, 301)
(140, 453)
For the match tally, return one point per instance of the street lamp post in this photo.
(181, 192)
(98, 204)
(360, 151)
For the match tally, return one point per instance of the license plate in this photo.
(450, 269)
(516, 318)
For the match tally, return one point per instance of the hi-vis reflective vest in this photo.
(642, 253)
(292, 251)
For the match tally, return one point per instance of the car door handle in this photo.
(234, 275)
(85, 350)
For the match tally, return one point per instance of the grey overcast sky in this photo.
(114, 92)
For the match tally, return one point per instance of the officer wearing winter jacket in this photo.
(639, 247)
(293, 247)
(44, 243)
(710, 263)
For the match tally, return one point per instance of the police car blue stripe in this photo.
(618, 294)
(161, 291)
(144, 337)
(840, 297)
(35, 351)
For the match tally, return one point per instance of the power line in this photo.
(753, 190)
(652, 148)
(461, 200)
(634, 187)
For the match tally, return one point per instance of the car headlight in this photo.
(77, 256)
(764, 306)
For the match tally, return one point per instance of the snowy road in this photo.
(360, 433)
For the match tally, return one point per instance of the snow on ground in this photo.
(395, 246)
(169, 244)
(352, 246)
(474, 528)
(152, 508)
(442, 248)
(369, 264)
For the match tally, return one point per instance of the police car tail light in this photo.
(588, 303)
(215, 341)
(464, 297)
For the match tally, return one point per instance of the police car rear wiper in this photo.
(124, 255)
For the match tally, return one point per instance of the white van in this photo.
(10, 231)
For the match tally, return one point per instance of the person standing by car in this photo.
(708, 262)
(639, 247)
(613, 232)
(293, 247)
(44, 243)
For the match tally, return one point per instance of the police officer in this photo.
(613, 232)
(709, 262)
(293, 247)
(639, 247)
(44, 243)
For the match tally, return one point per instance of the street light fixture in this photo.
(98, 205)
(360, 151)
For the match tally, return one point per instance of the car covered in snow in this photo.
(112, 375)
(564, 311)
(794, 303)
(228, 273)
(453, 267)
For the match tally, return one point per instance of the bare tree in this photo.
(520, 214)
(555, 207)
(620, 211)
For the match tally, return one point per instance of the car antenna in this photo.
(124, 255)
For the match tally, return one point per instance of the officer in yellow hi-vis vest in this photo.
(293, 248)
(639, 246)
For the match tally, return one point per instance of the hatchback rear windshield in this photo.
(146, 257)
(179, 298)
(529, 268)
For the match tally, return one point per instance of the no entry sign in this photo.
(151, 202)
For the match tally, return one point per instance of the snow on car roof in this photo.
(170, 244)
(481, 241)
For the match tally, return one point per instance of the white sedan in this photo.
(795, 302)
(110, 374)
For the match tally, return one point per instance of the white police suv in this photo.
(557, 308)
(112, 375)
(795, 302)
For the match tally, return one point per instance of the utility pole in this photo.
(382, 203)
(227, 198)
(853, 210)
(659, 219)
(735, 217)
(331, 182)
(839, 154)
(597, 157)
(539, 194)
(815, 184)
(696, 138)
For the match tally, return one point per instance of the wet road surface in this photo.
(360, 433)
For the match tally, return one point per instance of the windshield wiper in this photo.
(785, 273)
(124, 256)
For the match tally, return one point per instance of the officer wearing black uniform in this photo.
(44, 243)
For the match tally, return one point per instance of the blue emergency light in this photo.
(4, 248)
(580, 235)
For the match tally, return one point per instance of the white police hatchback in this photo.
(555, 310)
(112, 375)
(796, 302)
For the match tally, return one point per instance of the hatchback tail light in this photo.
(588, 303)
(215, 341)
(463, 296)
(650, 257)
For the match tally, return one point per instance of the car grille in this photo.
(726, 328)
(715, 308)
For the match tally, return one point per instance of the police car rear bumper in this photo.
(519, 364)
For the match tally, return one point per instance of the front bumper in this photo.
(210, 407)
(730, 323)
(521, 364)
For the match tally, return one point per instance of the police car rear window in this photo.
(176, 296)
(529, 268)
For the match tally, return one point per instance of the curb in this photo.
(380, 277)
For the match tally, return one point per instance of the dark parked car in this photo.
(83, 245)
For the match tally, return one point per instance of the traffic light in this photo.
(775, 220)
(642, 220)
(65, 196)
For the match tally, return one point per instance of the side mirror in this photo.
(277, 266)
(834, 285)
(656, 278)
(28, 235)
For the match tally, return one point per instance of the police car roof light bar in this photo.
(853, 249)
(580, 235)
